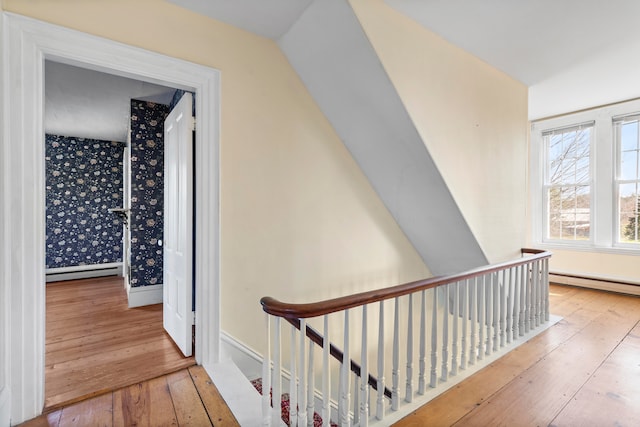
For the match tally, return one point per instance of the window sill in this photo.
(614, 250)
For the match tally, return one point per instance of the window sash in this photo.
(605, 182)
(627, 182)
(568, 171)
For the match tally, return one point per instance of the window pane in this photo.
(629, 212)
(629, 165)
(629, 135)
(569, 213)
(568, 155)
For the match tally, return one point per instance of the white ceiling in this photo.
(268, 18)
(90, 104)
(530, 40)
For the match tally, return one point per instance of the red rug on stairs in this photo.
(317, 420)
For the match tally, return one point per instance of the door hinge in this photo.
(193, 123)
(193, 318)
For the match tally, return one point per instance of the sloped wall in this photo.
(343, 73)
(471, 117)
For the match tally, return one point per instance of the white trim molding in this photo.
(144, 295)
(603, 283)
(26, 43)
(83, 271)
(5, 277)
(247, 359)
(603, 212)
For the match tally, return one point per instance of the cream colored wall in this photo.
(299, 221)
(617, 267)
(472, 117)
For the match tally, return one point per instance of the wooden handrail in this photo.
(301, 311)
(337, 354)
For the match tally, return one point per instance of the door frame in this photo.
(26, 43)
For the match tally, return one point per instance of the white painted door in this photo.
(178, 224)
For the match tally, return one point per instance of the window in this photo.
(568, 183)
(585, 179)
(628, 178)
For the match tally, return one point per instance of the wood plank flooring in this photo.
(583, 371)
(183, 398)
(96, 344)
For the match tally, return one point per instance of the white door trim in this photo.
(26, 44)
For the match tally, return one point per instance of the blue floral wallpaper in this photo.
(147, 198)
(83, 180)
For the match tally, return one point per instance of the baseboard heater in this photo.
(602, 283)
(83, 271)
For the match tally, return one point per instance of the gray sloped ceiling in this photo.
(332, 55)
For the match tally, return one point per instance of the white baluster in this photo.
(395, 368)
(311, 386)
(345, 384)
(326, 378)
(496, 309)
(302, 386)
(465, 322)
(445, 334)
(545, 276)
(409, 384)
(541, 299)
(293, 383)
(516, 301)
(473, 301)
(509, 311)
(481, 317)
(535, 321)
(489, 302)
(423, 338)
(523, 298)
(532, 303)
(266, 377)
(454, 340)
(381, 346)
(434, 339)
(364, 373)
(277, 371)
(503, 307)
(356, 400)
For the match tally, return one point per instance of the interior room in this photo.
(405, 213)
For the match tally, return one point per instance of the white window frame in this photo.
(603, 169)
(617, 181)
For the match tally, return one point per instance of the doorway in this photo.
(105, 159)
(27, 43)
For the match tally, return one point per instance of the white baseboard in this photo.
(5, 407)
(83, 272)
(246, 359)
(144, 295)
(250, 362)
(243, 400)
(603, 284)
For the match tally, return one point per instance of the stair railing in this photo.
(463, 318)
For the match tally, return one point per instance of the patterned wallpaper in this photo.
(83, 180)
(147, 198)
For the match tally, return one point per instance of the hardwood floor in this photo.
(583, 371)
(184, 398)
(96, 344)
